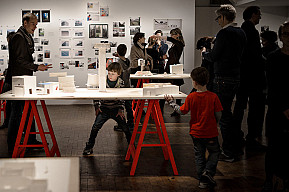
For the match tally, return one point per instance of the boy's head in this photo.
(114, 71)
(200, 75)
(121, 49)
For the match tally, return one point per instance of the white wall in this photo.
(206, 25)
(119, 10)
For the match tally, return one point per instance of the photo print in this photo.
(47, 54)
(78, 43)
(44, 41)
(78, 53)
(36, 40)
(118, 29)
(91, 16)
(167, 24)
(38, 48)
(41, 32)
(134, 21)
(64, 22)
(1, 61)
(37, 14)
(63, 65)
(93, 7)
(78, 23)
(104, 11)
(1, 33)
(64, 43)
(79, 63)
(40, 57)
(64, 53)
(45, 15)
(24, 12)
(113, 44)
(91, 63)
(98, 30)
(10, 30)
(77, 33)
(109, 61)
(4, 46)
(64, 32)
(134, 30)
(96, 52)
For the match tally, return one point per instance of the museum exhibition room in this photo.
(72, 70)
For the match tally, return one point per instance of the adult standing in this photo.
(138, 51)
(226, 55)
(276, 159)
(162, 48)
(252, 82)
(21, 48)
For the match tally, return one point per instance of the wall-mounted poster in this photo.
(98, 31)
(134, 21)
(37, 14)
(25, 11)
(92, 16)
(93, 7)
(45, 15)
(64, 53)
(118, 29)
(64, 23)
(104, 11)
(78, 23)
(167, 24)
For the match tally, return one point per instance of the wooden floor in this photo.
(107, 170)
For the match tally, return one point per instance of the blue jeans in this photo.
(102, 117)
(226, 89)
(200, 147)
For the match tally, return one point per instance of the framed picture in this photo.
(78, 23)
(45, 15)
(65, 43)
(134, 30)
(167, 24)
(92, 16)
(104, 11)
(64, 23)
(98, 31)
(134, 21)
(78, 33)
(65, 33)
(44, 41)
(25, 11)
(65, 53)
(41, 32)
(93, 7)
(47, 54)
(37, 14)
(78, 43)
(39, 48)
(77, 53)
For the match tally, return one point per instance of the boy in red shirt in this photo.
(205, 108)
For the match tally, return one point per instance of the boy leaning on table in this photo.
(109, 109)
(205, 108)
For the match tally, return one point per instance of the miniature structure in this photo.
(92, 81)
(154, 89)
(23, 85)
(67, 83)
(59, 74)
(176, 69)
(102, 64)
(51, 87)
(143, 73)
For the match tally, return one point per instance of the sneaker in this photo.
(226, 158)
(203, 185)
(117, 128)
(209, 178)
(88, 150)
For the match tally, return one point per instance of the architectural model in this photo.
(176, 69)
(92, 81)
(67, 83)
(23, 85)
(51, 87)
(154, 89)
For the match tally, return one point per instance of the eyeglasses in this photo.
(218, 18)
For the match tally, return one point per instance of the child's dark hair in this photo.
(115, 67)
(200, 75)
(121, 49)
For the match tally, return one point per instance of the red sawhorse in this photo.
(19, 149)
(153, 109)
(134, 102)
(2, 102)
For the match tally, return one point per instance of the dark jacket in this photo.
(174, 52)
(227, 52)
(20, 58)
(125, 75)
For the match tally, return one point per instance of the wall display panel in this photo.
(92, 16)
(98, 30)
(78, 43)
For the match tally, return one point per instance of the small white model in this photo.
(23, 85)
(59, 74)
(51, 87)
(92, 80)
(176, 69)
(67, 83)
(154, 89)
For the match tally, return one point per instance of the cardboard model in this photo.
(92, 81)
(23, 85)
(154, 89)
(176, 69)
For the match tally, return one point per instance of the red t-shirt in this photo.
(203, 106)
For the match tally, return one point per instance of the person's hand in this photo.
(203, 50)
(43, 67)
(165, 56)
(286, 113)
(97, 111)
(168, 98)
(121, 114)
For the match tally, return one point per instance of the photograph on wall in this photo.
(96, 52)
(109, 60)
(91, 63)
(38, 48)
(63, 65)
(93, 7)
(64, 32)
(4, 46)
(64, 22)
(78, 33)
(1, 33)
(45, 15)
(167, 24)
(79, 63)
(104, 11)
(118, 29)
(44, 41)
(134, 21)
(1, 60)
(134, 30)
(78, 43)
(24, 12)
(98, 31)
(78, 23)
(41, 32)
(92, 16)
(10, 30)
(40, 57)
(64, 43)
(37, 14)
(78, 53)
(47, 54)
(36, 40)
(113, 44)
(64, 53)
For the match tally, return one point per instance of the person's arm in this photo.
(176, 107)
(218, 116)
(134, 57)
(218, 48)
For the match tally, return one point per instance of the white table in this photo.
(84, 93)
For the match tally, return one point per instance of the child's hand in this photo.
(97, 111)
(121, 114)
(168, 98)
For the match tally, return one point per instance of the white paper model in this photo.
(23, 85)
(67, 83)
(176, 69)
(59, 74)
(102, 64)
(92, 81)
(143, 73)
(51, 87)
(154, 89)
